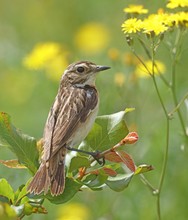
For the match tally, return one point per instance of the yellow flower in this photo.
(181, 18)
(132, 25)
(113, 54)
(154, 25)
(136, 9)
(129, 59)
(177, 3)
(163, 18)
(142, 72)
(92, 38)
(42, 53)
(72, 211)
(48, 56)
(119, 79)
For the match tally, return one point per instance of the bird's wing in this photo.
(68, 110)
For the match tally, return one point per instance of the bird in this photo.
(69, 121)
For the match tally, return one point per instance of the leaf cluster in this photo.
(109, 134)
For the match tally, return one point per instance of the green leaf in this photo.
(18, 209)
(107, 131)
(6, 190)
(143, 168)
(21, 195)
(120, 182)
(7, 212)
(78, 162)
(129, 110)
(96, 181)
(71, 188)
(30, 208)
(22, 145)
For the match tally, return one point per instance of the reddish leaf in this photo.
(127, 160)
(113, 157)
(131, 138)
(108, 171)
(121, 156)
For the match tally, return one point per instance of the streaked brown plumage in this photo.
(69, 121)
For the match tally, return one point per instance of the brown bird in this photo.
(69, 121)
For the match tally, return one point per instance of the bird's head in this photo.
(82, 73)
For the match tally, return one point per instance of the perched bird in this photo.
(69, 121)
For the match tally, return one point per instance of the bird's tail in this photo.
(50, 175)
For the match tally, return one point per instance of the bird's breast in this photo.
(84, 127)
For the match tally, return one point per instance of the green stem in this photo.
(173, 89)
(150, 57)
(161, 181)
(178, 106)
(165, 159)
(148, 184)
(176, 52)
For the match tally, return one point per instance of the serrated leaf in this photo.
(107, 131)
(119, 182)
(77, 162)
(143, 168)
(71, 188)
(12, 164)
(6, 190)
(22, 145)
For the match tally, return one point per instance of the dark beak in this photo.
(101, 68)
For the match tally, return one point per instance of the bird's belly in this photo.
(83, 129)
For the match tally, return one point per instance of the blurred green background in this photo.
(67, 31)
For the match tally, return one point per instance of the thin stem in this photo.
(178, 105)
(141, 61)
(173, 89)
(165, 159)
(148, 184)
(150, 57)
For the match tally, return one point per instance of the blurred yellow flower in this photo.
(129, 59)
(136, 9)
(142, 72)
(177, 3)
(92, 38)
(48, 56)
(113, 53)
(132, 25)
(119, 79)
(73, 211)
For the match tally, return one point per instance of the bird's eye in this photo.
(80, 69)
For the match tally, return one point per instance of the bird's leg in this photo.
(95, 154)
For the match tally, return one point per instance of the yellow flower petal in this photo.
(177, 3)
(132, 25)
